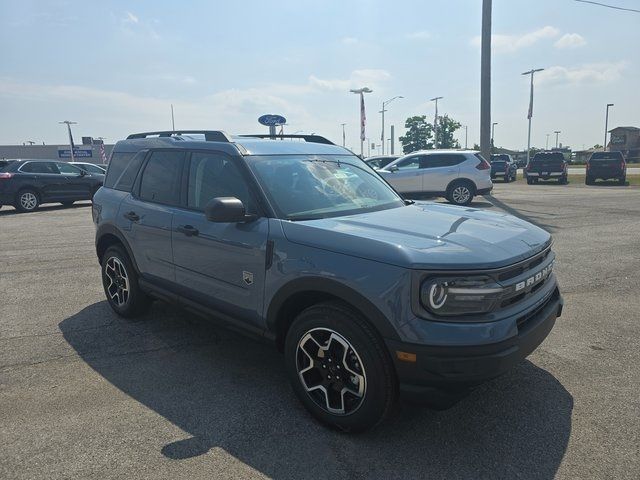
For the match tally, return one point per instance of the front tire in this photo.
(27, 200)
(623, 181)
(563, 181)
(120, 282)
(339, 367)
(460, 193)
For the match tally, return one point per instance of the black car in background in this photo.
(380, 161)
(503, 166)
(606, 166)
(545, 166)
(26, 184)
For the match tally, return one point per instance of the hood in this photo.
(425, 235)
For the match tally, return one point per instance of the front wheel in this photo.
(622, 181)
(460, 193)
(120, 282)
(339, 367)
(563, 180)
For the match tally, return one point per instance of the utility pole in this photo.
(343, 134)
(393, 139)
(557, 132)
(363, 116)
(530, 112)
(173, 123)
(485, 79)
(435, 123)
(466, 136)
(606, 126)
(69, 123)
(384, 104)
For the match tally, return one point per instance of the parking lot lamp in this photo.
(435, 123)
(557, 132)
(606, 126)
(384, 104)
(69, 123)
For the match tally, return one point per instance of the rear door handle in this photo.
(131, 216)
(188, 230)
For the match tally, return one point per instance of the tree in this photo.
(597, 146)
(419, 134)
(446, 128)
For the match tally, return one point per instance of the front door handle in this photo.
(188, 230)
(131, 216)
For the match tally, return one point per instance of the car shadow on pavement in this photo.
(231, 393)
(7, 210)
(520, 214)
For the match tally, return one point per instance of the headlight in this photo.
(448, 296)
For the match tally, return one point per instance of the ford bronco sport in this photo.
(301, 243)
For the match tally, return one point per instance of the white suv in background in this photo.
(457, 175)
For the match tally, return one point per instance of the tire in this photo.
(27, 200)
(529, 181)
(563, 181)
(327, 339)
(120, 282)
(67, 204)
(589, 181)
(623, 181)
(460, 192)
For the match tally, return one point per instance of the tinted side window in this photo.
(161, 178)
(128, 176)
(214, 175)
(40, 167)
(442, 160)
(117, 165)
(409, 163)
(67, 169)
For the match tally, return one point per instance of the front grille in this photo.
(528, 265)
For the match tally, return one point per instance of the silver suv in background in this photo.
(457, 175)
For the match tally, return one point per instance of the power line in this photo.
(609, 6)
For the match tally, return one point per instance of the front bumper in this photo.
(545, 175)
(457, 368)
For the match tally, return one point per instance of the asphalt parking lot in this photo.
(85, 394)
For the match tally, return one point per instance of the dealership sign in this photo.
(271, 120)
(77, 153)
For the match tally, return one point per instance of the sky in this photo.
(116, 67)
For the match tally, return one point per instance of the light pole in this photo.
(530, 113)
(363, 116)
(485, 79)
(557, 132)
(69, 123)
(547, 146)
(466, 136)
(384, 104)
(343, 134)
(606, 126)
(435, 123)
(493, 129)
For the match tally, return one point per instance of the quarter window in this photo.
(161, 178)
(214, 175)
(117, 165)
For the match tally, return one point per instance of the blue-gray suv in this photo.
(297, 241)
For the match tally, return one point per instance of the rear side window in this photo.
(67, 169)
(40, 167)
(128, 177)
(161, 178)
(117, 165)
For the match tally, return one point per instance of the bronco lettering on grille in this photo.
(541, 275)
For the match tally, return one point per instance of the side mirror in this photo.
(82, 173)
(393, 168)
(226, 210)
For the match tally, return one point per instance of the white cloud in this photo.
(570, 40)
(511, 43)
(420, 35)
(349, 40)
(597, 73)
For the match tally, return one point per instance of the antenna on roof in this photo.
(173, 123)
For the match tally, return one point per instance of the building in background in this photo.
(627, 141)
(91, 150)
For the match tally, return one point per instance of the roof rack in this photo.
(306, 138)
(209, 135)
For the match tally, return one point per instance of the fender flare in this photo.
(336, 289)
(108, 229)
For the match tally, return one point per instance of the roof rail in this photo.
(209, 135)
(306, 138)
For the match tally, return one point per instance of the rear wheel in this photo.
(529, 181)
(460, 192)
(120, 282)
(27, 200)
(588, 181)
(623, 181)
(339, 367)
(563, 180)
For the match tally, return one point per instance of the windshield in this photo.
(305, 187)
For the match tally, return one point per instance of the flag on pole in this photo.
(530, 112)
(363, 118)
(103, 155)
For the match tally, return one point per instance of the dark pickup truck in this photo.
(504, 167)
(546, 166)
(606, 166)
